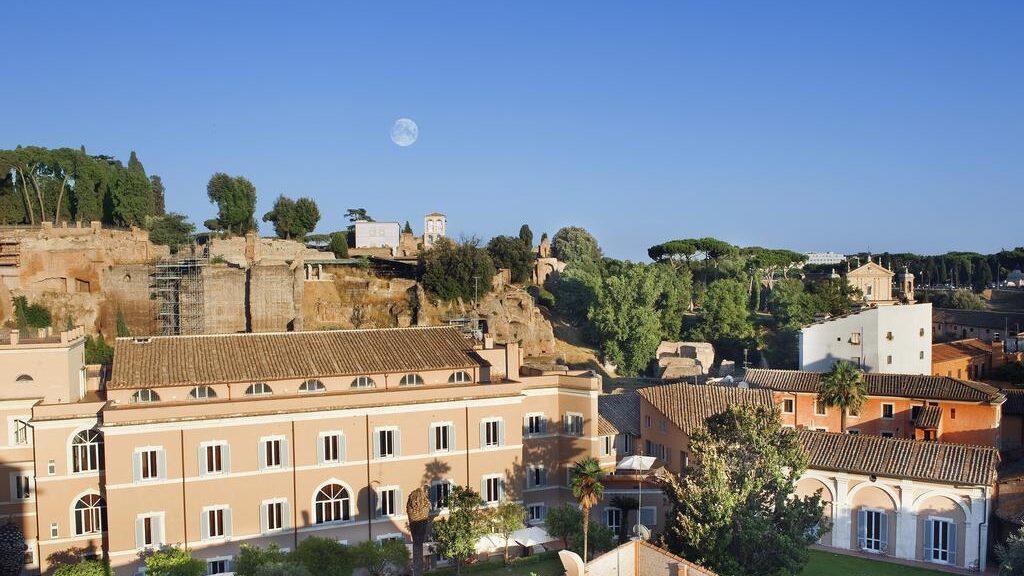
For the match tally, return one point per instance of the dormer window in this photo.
(460, 378)
(312, 386)
(145, 395)
(258, 389)
(411, 380)
(364, 382)
(201, 393)
(24, 379)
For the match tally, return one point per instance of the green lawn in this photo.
(546, 564)
(829, 564)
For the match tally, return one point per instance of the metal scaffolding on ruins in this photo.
(177, 284)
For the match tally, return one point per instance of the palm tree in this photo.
(417, 509)
(627, 504)
(588, 490)
(843, 387)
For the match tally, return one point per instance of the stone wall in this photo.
(275, 298)
(223, 299)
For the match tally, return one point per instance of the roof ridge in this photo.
(908, 441)
(279, 333)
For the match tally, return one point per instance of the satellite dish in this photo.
(642, 532)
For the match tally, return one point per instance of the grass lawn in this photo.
(546, 564)
(829, 564)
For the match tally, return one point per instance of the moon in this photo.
(404, 132)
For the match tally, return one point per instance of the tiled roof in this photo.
(929, 417)
(970, 348)
(618, 414)
(879, 384)
(901, 458)
(176, 360)
(688, 406)
(1014, 405)
(996, 321)
(640, 558)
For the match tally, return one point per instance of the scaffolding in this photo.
(178, 287)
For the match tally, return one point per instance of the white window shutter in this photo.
(226, 458)
(483, 433)
(952, 543)
(432, 439)
(262, 455)
(377, 503)
(544, 424)
(526, 426)
(227, 522)
(398, 443)
(376, 444)
(140, 533)
(342, 448)
(320, 450)
(202, 461)
(161, 464)
(929, 527)
(483, 489)
(884, 530)
(285, 453)
(862, 529)
(451, 438)
(137, 466)
(264, 517)
(204, 524)
(286, 515)
(501, 432)
(543, 476)
(501, 490)
(161, 538)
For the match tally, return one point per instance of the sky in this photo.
(846, 126)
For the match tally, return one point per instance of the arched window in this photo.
(364, 382)
(90, 513)
(312, 386)
(201, 393)
(24, 379)
(87, 451)
(145, 395)
(460, 378)
(258, 389)
(411, 380)
(332, 504)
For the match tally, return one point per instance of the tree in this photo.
(282, 569)
(97, 351)
(511, 253)
(526, 236)
(566, 523)
(574, 245)
(408, 228)
(599, 538)
(235, 197)
(28, 316)
(843, 387)
(966, 300)
(626, 504)
(12, 549)
(83, 568)
(121, 325)
(673, 251)
(172, 230)
(417, 510)
(626, 321)
(171, 561)
(159, 195)
(293, 218)
(134, 164)
(386, 558)
(131, 198)
(323, 557)
(508, 517)
(734, 511)
(456, 535)
(588, 491)
(1011, 554)
(339, 244)
(251, 558)
(789, 305)
(834, 296)
(725, 320)
(356, 214)
(451, 271)
(576, 290)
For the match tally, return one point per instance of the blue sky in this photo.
(809, 125)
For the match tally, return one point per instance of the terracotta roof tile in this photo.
(901, 458)
(929, 417)
(879, 384)
(689, 405)
(970, 348)
(994, 321)
(618, 414)
(1014, 402)
(180, 360)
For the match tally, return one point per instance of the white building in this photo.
(890, 339)
(435, 227)
(825, 258)
(377, 234)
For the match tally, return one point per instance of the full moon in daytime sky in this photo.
(404, 132)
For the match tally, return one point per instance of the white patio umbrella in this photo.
(639, 464)
(531, 536)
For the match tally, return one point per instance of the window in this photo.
(662, 425)
(312, 386)
(536, 424)
(853, 412)
(388, 502)
(440, 490)
(258, 389)
(613, 519)
(920, 332)
(887, 411)
(331, 448)
(888, 359)
(647, 516)
(24, 379)
(19, 433)
(872, 530)
(364, 382)
(51, 468)
(855, 338)
(647, 421)
(952, 413)
(788, 406)
(491, 433)
(536, 476)
(888, 335)
(940, 541)
(460, 378)
(201, 393)
(218, 566)
(887, 434)
(144, 395)
(574, 424)
(411, 380)
(332, 504)
(914, 412)
(216, 523)
(21, 486)
(90, 513)
(273, 515)
(149, 531)
(492, 490)
(820, 408)
(149, 464)
(386, 442)
(920, 355)
(535, 513)
(441, 438)
(626, 443)
(213, 458)
(606, 445)
(54, 531)
(852, 431)
(273, 452)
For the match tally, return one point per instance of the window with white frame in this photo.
(86, 451)
(491, 433)
(213, 458)
(219, 566)
(613, 519)
(149, 531)
(574, 424)
(788, 406)
(535, 513)
(441, 437)
(887, 411)
(626, 443)
(149, 464)
(20, 434)
(872, 530)
(272, 515)
(216, 523)
(493, 488)
(333, 504)
(386, 443)
(201, 393)
(363, 382)
(21, 486)
(258, 389)
(388, 501)
(90, 515)
(535, 425)
(606, 445)
(820, 408)
(440, 490)
(143, 396)
(940, 540)
(312, 385)
(331, 448)
(54, 530)
(273, 452)
(411, 380)
(536, 477)
(460, 378)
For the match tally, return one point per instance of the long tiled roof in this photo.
(618, 414)
(969, 348)
(901, 458)
(1014, 405)
(688, 406)
(175, 360)
(879, 384)
(929, 417)
(998, 321)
